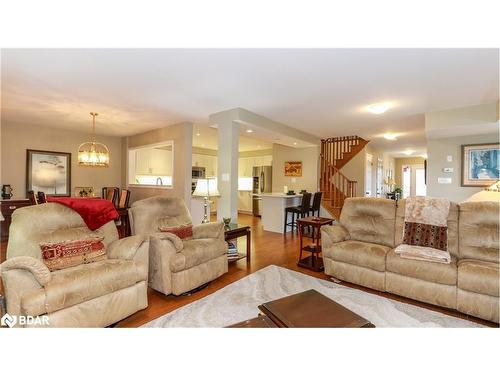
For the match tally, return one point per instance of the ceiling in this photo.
(321, 91)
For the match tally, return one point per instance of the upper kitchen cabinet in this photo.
(151, 165)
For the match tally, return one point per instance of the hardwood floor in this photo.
(267, 248)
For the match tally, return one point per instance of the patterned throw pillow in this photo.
(184, 232)
(60, 255)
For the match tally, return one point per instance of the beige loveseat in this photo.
(88, 295)
(360, 249)
(177, 266)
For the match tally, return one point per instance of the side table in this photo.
(313, 262)
(233, 231)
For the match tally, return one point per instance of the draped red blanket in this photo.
(94, 212)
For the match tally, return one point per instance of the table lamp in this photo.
(494, 187)
(206, 188)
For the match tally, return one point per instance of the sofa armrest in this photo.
(331, 234)
(21, 275)
(209, 230)
(125, 248)
(168, 239)
(134, 248)
(35, 266)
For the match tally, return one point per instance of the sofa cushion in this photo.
(196, 252)
(440, 273)
(479, 231)
(75, 285)
(362, 254)
(370, 220)
(479, 277)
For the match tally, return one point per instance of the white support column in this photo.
(227, 168)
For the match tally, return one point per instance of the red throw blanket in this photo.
(95, 212)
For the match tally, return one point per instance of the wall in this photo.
(16, 139)
(354, 170)
(310, 163)
(437, 151)
(182, 135)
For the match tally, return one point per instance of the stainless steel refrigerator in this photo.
(262, 183)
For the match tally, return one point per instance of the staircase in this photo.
(337, 187)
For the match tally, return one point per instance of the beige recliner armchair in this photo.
(88, 295)
(178, 266)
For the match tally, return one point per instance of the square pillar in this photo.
(227, 169)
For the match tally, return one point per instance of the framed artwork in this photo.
(480, 164)
(293, 168)
(48, 171)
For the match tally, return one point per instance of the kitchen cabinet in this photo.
(154, 162)
(245, 165)
(209, 162)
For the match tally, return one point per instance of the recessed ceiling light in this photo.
(295, 143)
(408, 152)
(378, 108)
(249, 131)
(198, 134)
(258, 146)
(390, 136)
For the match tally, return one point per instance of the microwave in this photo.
(198, 172)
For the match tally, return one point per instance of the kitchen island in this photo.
(273, 210)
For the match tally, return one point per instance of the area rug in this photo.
(238, 301)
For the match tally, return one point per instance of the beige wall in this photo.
(16, 139)
(437, 152)
(182, 135)
(354, 170)
(399, 162)
(309, 156)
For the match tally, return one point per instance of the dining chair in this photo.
(41, 197)
(32, 197)
(110, 193)
(123, 202)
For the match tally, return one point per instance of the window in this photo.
(421, 189)
(151, 165)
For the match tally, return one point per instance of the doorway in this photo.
(413, 180)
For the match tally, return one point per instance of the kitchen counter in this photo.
(277, 195)
(273, 210)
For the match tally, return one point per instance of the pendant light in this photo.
(93, 154)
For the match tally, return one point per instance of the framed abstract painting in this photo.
(48, 171)
(293, 168)
(480, 164)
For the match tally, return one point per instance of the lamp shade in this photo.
(206, 187)
(494, 187)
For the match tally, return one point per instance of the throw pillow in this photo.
(184, 232)
(60, 255)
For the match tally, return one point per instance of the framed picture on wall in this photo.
(480, 164)
(48, 171)
(293, 168)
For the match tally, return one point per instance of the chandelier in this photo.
(93, 154)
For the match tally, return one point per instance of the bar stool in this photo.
(301, 211)
(316, 203)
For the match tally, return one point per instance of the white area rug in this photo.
(238, 301)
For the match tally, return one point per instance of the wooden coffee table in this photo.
(309, 309)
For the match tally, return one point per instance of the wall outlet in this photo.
(448, 170)
(444, 180)
(449, 158)
(225, 177)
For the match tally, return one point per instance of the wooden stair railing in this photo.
(336, 187)
(339, 150)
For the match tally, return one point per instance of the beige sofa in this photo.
(360, 249)
(88, 295)
(175, 266)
